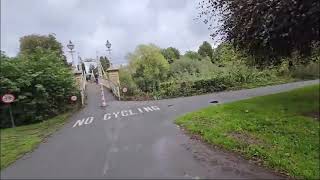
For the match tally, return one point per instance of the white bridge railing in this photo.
(82, 87)
(111, 85)
(105, 81)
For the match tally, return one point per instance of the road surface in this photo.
(137, 140)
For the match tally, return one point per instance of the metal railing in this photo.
(115, 88)
(82, 87)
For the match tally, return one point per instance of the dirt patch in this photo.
(196, 137)
(314, 115)
(246, 138)
(204, 155)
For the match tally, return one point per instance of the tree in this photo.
(2, 55)
(41, 83)
(268, 29)
(224, 53)
(170, 54)
(126, 81)
(187, 69)
(105, 63)
(30, 43)
(205, 50)
(148, 67)
(192, 55)
(185, 66)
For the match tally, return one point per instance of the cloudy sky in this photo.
(89, 23)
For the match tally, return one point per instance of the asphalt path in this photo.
(138, 139)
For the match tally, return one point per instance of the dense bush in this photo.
(301, 67)
(308, 71)
(193, 55)
(193, 74)
(170, 54)
(205, 50)
(188, 88)
(41, 83)
(185, 66)
(127, 82)
(148, 67)
(225, 53)
(30, 43)
(229, 76)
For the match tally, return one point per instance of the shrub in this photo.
(233, 74)
(187, 67)
(127, 81)
(194, 87)
(309, 71)
(192, 55)
(148, 67)
(192, 74)
(184, 65)
(225, 53)
(41, 83)
(283, 69)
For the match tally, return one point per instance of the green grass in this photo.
(271, 128)
(15, 142)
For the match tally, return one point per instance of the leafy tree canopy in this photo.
(170, 54)
(148, 66)
(42, 84)
(189, 67)
(265, 28)
(225, 52)
(105, 63)
(3, 55)
(205, 50)
(30, 43)
(192, 55)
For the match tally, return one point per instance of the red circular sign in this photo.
(73, 98)
(124, 89)
(8, 98)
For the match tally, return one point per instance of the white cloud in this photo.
(89, 23)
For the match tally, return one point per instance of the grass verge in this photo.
(275, 130)
(15, 142)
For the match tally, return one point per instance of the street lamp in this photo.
(71, 47)
(108, 45)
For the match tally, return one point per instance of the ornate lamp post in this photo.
(108, 45)
(71, 47)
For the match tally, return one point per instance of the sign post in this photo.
(8, 99)
(11, 117)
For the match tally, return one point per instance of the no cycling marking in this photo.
(115, 115)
